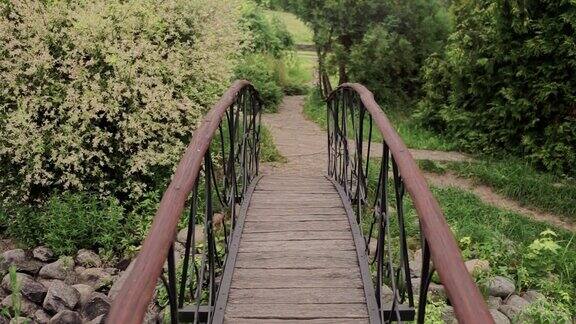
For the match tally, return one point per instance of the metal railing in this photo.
(353, 117)
(211, 180)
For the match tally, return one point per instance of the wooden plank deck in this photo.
(297, 261)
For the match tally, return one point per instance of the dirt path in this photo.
(303, 143)
(487, 195)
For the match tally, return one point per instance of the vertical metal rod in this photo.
(172, 286)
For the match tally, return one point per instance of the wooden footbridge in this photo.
(294, 246)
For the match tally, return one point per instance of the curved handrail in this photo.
(137, 291)
(464, 295)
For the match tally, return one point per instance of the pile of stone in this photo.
(503, 301)
(58, 291)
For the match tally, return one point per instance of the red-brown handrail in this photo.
(463, 293)
(136, 293)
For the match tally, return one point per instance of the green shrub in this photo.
(505, 81)
(260, 70)
(268, 36)
(70, 222)
(104, 95)
(389, 57)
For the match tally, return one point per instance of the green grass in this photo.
(513, 244)
(505, 239)
(519, 181)
(300, 32)
(413, 135)
(268, 151)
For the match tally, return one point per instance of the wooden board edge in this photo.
(226, 283)
(370, 294)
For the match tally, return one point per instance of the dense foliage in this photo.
(506, 80)
(389, 57)
(269, 61)
(103, 95)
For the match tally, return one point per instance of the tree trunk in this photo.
(346, 42)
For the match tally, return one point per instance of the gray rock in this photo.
(498, 317)
(61, 297)
(88, 259)
(218, 219)
(532, 296)
(494, 302)
(20, 320)
(78, 270)
(49, 282)
(98, 320)
(98, 304)
(372, 247)
(43, 253)
(416, 264)
(115, 289)
(513, 306)
(111, 271)
(198, 235)
(500, 287)
(41, 317)
(477, 267)
(387, 295)
(435, 291)
(96, 277)
(31, 289)
(20, 260)
(61, 269)
(12, 257)
(66, 317)
(4, 320)
(448, 315)
(85, 292)
(26, 306)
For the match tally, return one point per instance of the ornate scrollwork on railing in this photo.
(354, 119)
(211, 180)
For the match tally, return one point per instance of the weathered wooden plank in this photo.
(331, 245)
(294, 262)
(264, 227)
(296, 205)
(311, 253)
(273, 217)
(295, 321)
(310, 190)
(295, 187)
(296, 236)
(297, 296)
(281, 199)
(296, 278)
(296, 211)
(297, 311)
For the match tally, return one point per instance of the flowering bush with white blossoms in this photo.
(104, 95)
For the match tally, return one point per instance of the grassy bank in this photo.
(519, 181)
(413, 135)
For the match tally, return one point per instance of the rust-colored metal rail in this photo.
(240, 107)
(348, 107)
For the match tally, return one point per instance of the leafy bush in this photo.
(260, 69)
(103, 95)
(268, 36)
(70, 222)
(389, 57)
(505, 81)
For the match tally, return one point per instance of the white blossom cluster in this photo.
(105, 94)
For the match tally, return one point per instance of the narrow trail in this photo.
(303, 143)
(487, 195)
